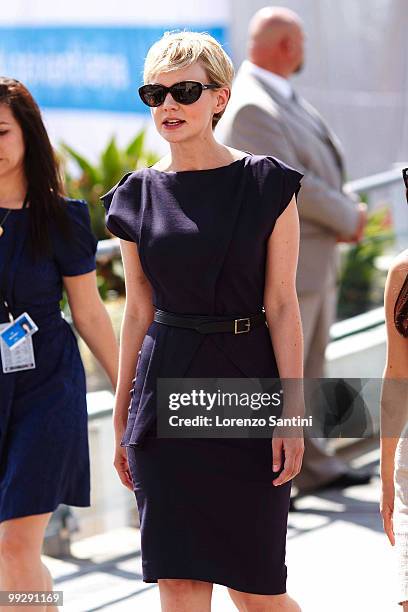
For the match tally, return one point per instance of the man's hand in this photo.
(362, 221)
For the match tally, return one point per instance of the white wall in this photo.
(356, 73)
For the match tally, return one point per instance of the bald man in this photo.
(265, 116)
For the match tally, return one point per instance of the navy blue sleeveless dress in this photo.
(208, 509)
(44, 458)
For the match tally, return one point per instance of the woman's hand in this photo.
(387, 510)
(122, 467)
(120, 460)
(289, 452)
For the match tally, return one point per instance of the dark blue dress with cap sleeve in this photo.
(44, 457)
(208, 509)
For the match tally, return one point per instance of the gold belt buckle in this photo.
(242, 331)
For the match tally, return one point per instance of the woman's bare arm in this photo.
(280, 297)
(92, 321)
(394, 394)
(138, 315)
(285, 327)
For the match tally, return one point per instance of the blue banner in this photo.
(87, 68)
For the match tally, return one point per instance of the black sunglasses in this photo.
(185, 92)
(405, 177)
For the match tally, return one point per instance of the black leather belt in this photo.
(210, 324)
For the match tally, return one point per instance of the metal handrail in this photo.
(107, 249)
(376, 181)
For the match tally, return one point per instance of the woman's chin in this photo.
(172, 137)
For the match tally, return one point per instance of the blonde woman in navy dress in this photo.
(208, 233)
(46, 243)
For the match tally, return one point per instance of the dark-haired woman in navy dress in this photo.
(45, 243)
(209, 233)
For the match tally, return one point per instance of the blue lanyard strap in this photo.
(10, 267)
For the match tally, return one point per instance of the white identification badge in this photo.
(18, 330)
(20, 357)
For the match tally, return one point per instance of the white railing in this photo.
(387, 188)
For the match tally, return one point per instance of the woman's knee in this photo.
(250, 602)
(183, 587)
(17, 544)
(13, 548)
(185, 595)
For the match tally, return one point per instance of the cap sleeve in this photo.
(78, 256)
(122, 204)
(278, 183)
(290, 184)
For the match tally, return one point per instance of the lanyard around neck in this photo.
(3, 286)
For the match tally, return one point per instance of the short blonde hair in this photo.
(177, 50)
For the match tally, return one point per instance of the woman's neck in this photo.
(13, 191)
(199, 155)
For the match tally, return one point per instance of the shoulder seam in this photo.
(68, 200)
